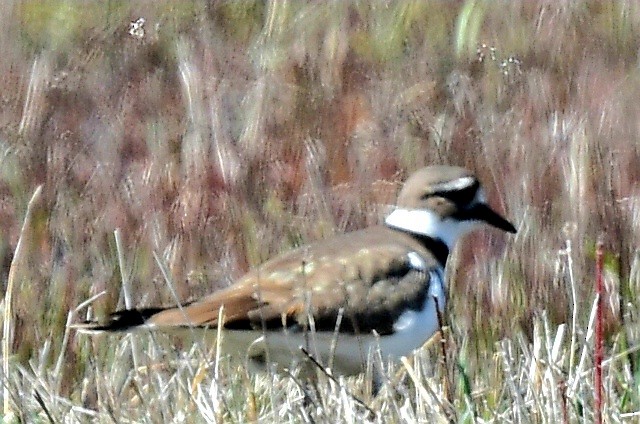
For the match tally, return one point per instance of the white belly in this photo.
(345, 353)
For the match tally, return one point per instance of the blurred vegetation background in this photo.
(218, 134)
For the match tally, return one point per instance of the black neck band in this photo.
(436, 246)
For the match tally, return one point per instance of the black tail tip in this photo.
(124, 320)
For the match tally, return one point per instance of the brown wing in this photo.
(366, 276)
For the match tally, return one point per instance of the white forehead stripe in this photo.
(457, 184)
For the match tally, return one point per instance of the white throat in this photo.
(430, 224)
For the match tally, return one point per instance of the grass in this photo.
(222, 134)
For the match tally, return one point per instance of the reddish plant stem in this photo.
(598, 335)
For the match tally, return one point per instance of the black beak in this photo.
(482, 212)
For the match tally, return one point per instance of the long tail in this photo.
(203, 313)
(124, 320)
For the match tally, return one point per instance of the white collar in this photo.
(430, 224)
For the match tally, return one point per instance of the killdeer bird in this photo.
(346, 296)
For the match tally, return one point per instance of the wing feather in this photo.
(368, 282)
(368, 277)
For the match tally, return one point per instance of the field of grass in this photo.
(176, 153)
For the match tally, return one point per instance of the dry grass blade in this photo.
(126, 289)
(40, 401)
(327, 374)
(425, 390)
(598, 340)
(18, 261)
